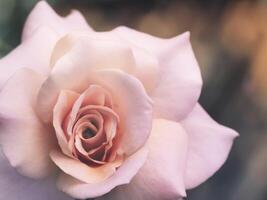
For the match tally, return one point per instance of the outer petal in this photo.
(23, 138)
(123, 175)
(209, 146)
(179, 83)
(143, 40)
(161, 177)
(14, 186)
(95, 50)
(43, 15)
(34, 54)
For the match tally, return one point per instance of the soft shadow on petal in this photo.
(123, 175)
(24, 139)
(209, 146)
(14, 186)
(33, 53)
(179, 81)
(161, 177)
(43, 15)
(93, 50)
(83, 172)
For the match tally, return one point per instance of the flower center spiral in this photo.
(92, 127)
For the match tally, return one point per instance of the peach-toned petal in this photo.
(93, 95)
(83, 172)
(106, 113)
(63, 106)
(95, 156)
(34, 54)
(123, 175)
(43, 15)
(161, 177)
(85, 157)
(98, 138)
(14, 186)
(107, 129)
(131, 102)
(96, 95)
(99, 154)
(209, 146)
(111, 118)
(179, 83)
(24, 139)
(132, 105)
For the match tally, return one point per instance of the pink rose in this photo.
(103, 113)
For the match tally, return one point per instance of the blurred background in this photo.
(230, 42)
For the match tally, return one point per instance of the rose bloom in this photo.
(105, 115)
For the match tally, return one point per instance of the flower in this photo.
(103, 113)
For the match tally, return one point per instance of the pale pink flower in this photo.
(103, 113)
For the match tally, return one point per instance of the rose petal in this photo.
(123, 175)
(179, 83)
(147, 68)
(63, 106)
(14, 186)
(83, 172)
(96, 95)
(43, 15)
(209, 146)
(23, 138)
(161, 177)
(34, 54)
(94, 158)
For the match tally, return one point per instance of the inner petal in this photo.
(92, 127)
(93, 95)
(95, 158)
(92, 122)
(84, 129)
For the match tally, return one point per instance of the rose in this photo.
(113, 110)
